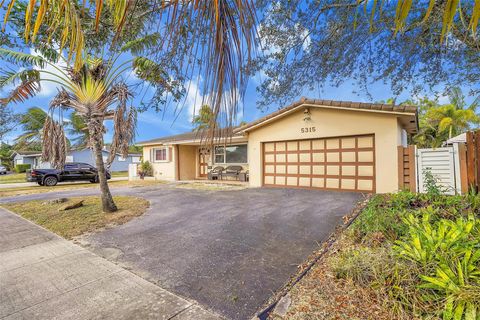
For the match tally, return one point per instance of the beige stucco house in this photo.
(319, 144)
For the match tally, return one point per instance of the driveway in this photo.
(228, 250)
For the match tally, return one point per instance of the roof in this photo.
(188, 136)
(461, 138)
(406, 110)
(409, 114)
(28, 153)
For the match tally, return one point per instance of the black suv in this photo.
(72, 171)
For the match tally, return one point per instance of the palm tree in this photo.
(78, 129)
(32, 123)
(221, 37)
(95, 94)
(204, 119)
(439, 123)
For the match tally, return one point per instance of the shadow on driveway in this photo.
(229, 250)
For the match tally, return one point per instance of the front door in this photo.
(203, 157)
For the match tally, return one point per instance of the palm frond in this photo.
(124, 123)
(54, 143)
(21, 58)
(139, 45)
(22, 92)
(10, 77)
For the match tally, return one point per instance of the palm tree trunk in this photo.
(95, 128)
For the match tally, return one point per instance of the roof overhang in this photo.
(409, 120)
(237, 138)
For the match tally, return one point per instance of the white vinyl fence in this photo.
(443, 163)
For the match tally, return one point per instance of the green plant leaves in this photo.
(448, 251)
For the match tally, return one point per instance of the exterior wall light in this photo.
(306, 115)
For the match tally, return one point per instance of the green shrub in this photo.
(19, 168)
(448, 253)
(145, 169)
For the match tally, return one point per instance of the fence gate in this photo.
(441, 163)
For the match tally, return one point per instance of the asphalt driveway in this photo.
(228, 250)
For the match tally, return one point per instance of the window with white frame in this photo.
(136, 159)
(122, 159)
(160, 154)
(231, 154)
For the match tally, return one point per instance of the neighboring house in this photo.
(318, 144)
(33, 158)
(83, 155)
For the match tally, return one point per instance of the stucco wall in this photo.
(333, 123)
(188, 162)
(161, 170)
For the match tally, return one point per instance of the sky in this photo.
(153, 124)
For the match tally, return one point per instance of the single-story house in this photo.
(81, 155)
(318, 144)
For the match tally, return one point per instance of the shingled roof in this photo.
(375, 107)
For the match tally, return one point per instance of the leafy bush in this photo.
(421, 253)
(19, 168)
(449, 254)
(431, 184)
(145, 169)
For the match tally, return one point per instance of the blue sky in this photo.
(153, 124)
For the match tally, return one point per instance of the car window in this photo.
(71, 166)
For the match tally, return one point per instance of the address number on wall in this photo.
(308, 129)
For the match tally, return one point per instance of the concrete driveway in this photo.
(228, 250)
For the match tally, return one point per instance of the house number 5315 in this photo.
(307, 129)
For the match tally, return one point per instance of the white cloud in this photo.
(48, 88)
(194, 98)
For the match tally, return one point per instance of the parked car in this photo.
(3, 170)
(72, 171)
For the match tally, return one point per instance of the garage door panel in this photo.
(343, 163)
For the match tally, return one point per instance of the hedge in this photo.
(19, 168)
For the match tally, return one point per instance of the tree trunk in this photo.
(96, 135)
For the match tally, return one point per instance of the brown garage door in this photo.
(340, 163)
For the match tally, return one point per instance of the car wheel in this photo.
(94, 180)
(50, 181)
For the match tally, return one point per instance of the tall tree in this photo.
(438, 123)
(213, 38)
(31, 123)
(413, 46)
(8, 121)
(78, 131)
(205, 118)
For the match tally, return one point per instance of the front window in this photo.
(231, 154)
(160, 155)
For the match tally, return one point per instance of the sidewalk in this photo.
(43, 276)
(33, 184)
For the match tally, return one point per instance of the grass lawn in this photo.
(10, 192)
(406, 256)
(13, 178)
(119, 174)
(75, 222)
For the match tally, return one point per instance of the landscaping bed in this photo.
(406, 256)
(74, 222)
